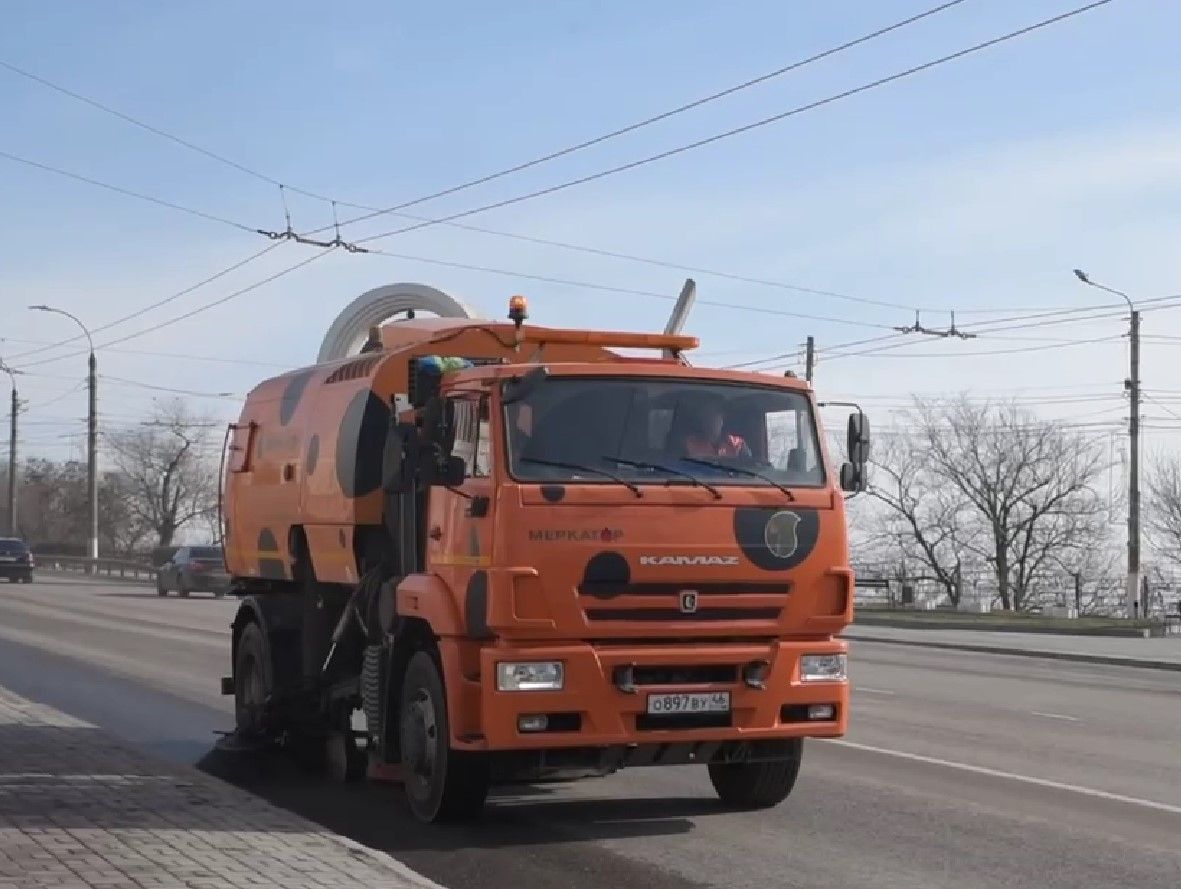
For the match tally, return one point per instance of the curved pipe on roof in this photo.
(371, 308)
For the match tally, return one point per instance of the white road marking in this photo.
(1054, 715)
(872, 691)
(1012, 776)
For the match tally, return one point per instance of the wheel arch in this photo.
(279, 619)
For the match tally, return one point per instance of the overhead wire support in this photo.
(290, 234)
(952, 331)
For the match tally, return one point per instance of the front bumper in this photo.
(15, 569)
(607, 715)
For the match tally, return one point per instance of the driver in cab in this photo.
(704, 436)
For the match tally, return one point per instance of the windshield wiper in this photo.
(741, 470)
(578, 467)
(641, 464)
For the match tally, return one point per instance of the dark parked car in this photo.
(16, 561)
(194, 569)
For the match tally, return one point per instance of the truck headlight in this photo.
(530, 676)
(823, 667)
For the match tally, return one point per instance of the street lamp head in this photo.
(41, 308)
(1082, 276)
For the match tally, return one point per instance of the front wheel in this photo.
(758, 785)
(441, 784)
(161, 589)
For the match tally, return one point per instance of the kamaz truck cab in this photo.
(541, 559)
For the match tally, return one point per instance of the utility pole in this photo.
(91, 436)
(12, 455)
(92, 456)
(1134, 593)
(809, 358)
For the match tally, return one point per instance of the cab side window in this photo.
(472, 437)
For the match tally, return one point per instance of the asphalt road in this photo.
(960, 769)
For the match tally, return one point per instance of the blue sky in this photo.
(976, 185)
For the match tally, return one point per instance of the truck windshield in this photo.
(663, 432)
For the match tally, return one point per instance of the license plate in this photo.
(704, 702)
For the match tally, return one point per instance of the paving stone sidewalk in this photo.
(81, 810)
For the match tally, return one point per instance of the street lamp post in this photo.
(12, 430)
(1132, 384)
(91, 434)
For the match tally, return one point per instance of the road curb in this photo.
(1077, 657)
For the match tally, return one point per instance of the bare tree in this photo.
(1163, 506)
(1030, 484)
(52, 511)
(170, 480)
(924, 518)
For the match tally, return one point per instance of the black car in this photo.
(194, 569)
(16, 561)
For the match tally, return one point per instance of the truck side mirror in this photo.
(852, 477)
(451, 472)
(438, 423)
(857, 439)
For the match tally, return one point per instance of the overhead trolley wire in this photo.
(745, 128)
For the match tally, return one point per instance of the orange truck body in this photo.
(584, 573)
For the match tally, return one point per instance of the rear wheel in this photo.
(28, 578)
(758, 785)
(251, 683)
(161, 589)
(441, 784)
(181, 589)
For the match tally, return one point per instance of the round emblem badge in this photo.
(780, 534)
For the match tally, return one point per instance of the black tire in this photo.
(441, 784)
(12, 578)
(161, 589)
(181, 589)
(343, 759)
(252, 683)
(28, 578)
(758, 785)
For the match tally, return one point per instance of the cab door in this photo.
(459, 524)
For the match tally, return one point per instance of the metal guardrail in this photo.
(122, 568)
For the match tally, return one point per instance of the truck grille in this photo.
(613, 601)
(688, 674)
